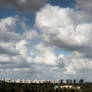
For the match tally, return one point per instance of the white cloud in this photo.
(8, 28)
(8, 48)
(20, 46)
(77, 67)
(65, 28)
(41, 59)
(4, 58)
(46, 54)
(30, 34)
(8, 24)
(60, 28)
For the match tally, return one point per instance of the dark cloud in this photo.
(84, 4)
(5, 63)
(9, 52)
(23, 5)
(84, 49)
(6, 36)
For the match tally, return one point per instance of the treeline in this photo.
(14, 87)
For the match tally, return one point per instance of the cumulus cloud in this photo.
(77, 67)
(32, 60)
(60, 28)
(8, 28)
(23, 54)
(30, 34)
(9, 39)
(8, 24)
(68, 29)
(23, 5)
(38, 53)
(39, 60)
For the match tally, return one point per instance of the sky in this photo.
(46, 39)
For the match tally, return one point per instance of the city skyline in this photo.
(61, 81)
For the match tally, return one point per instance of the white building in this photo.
(28, 81)
(70, 86)
(22, 81)
(17, 81)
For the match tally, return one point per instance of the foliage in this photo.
(24, 87)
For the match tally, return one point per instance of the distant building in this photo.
(61, 81)
(53, 81)
(22, 81)
(58, 81)
(43, 81)
(2, 81)
(66, 86)
(36, 81)
(71, 81)
(81, 81)
(17, 81)
(8, 80)
(28, 81)
(11, 81)
(74, 81)
(70, 87)
(65, 82)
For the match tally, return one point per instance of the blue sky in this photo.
(41, 35)
(62, 3)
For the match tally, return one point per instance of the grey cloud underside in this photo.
(12, 65)
(6, 36)
(23, 6)
(84, 49)
(39, 72)
(8, 52)
(85, 4)
(4, 63)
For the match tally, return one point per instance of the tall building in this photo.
(68, 81)
(74, 81)
(71, 81)
(61, 81)
(81, 81)
(65, 82)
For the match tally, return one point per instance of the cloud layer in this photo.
(33, 52)
(23, 6)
